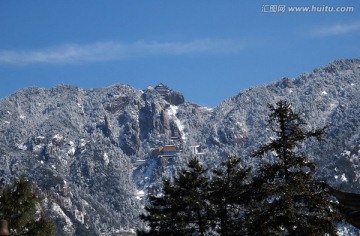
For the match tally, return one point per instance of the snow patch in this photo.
(106, 158)
(22, 147)
(79, 216)
(69, 225)
(343, 178)
(58, 138)
(172, 111)
(72, 149)
(324, 93)
(22, 117)
(139, 194)
(207, 109)
(37, 148)
(83, 142)
(346, 152)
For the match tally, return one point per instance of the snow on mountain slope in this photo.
(93, 152)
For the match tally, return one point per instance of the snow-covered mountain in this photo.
(96, 153)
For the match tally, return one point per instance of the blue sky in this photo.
(207, 49)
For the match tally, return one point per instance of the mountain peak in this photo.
(171, 96)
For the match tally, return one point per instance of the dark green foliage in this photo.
(194, 203)
(20, 206)
(183, 208)
(286, 196)
(228, 189)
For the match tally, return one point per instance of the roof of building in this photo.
(167, 148)
(162, 89)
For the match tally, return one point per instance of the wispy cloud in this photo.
(112, 51)
(334, 30)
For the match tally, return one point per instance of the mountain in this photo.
(95, 153)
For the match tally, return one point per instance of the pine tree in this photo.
(287, 198)
(227, 196)
(183, 207)
(20, 206)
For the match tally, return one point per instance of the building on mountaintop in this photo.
(162, 89)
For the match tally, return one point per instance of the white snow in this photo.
(22, 117)
(106, 158)
(53, 166)
(37, 148)
(58, 137)
(6, 122)
(207, 109)
(139, 194)
(82, 142)
(172, 111)
(343, 178)
(346, 152)
(85, 202)
(324, 93)
(22, 147)
(60, 212)
(72, 149)
(79, 216)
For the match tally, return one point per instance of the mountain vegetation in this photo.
(282, 198)
(96, 154)
(21, 206)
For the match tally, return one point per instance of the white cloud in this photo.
(110, 51)
(337, 29)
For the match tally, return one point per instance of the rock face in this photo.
(91, 152)
(80, 147)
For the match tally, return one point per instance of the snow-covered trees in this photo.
(199, 201)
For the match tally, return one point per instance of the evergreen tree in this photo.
(286, 197)
(227, 195)
(20, 206)
(183, 207)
